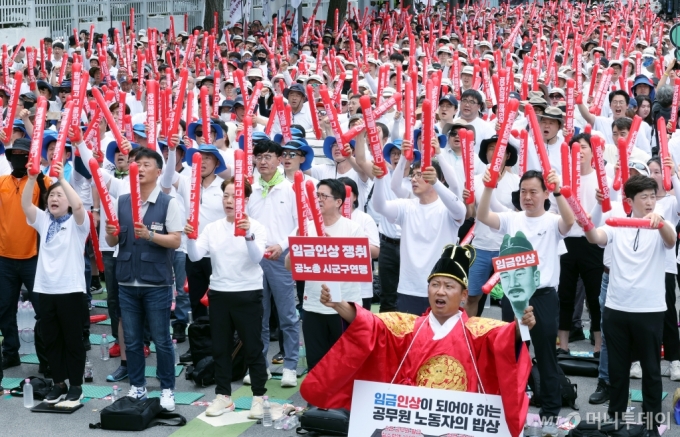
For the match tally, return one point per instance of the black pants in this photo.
(639, 335)
(198, 276)
(415, 305)
(321, 331)
(546, 311)
(388, 271)
(239, 311)
(671, 337)
(585, 260)
(111, 291)
(366, 303)
(62, 331)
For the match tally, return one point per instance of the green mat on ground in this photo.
(97, 339)
(636, 395)
(100, 304)
(105, 322)
(30, 359)
(245, 402)
(152, 347)
(150, 371)
(10, 383)
(181, 398)
(587, 334)
(96, 391)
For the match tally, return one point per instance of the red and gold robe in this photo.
(374, 345)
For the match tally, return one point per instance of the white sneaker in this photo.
(636, 370)
(137, 392)
(675, 370)
(222, 404)
(246, 379)
(168, 399)
(289, 378)
(256, 409)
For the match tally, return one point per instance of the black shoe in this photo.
(561, 351)
(601, 394)
(74, 394)
(186, 357)
(179, 332)
(576, 335)
(56, 394)
(10, 361)
(596, 354)
(592, 338)
(86, 342)
(278, 358)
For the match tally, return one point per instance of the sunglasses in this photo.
(290, 155)
(199, 133)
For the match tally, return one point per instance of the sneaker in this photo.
(147, 351)
(636, 370)
(277, 359)
(10, 361)
(168, 399)
(179, 332)
(561, 351)
(74, 394)
(56, 394)
(576, 335)
(86, 341)
(222, 404)
(96, 289)
(114, 351)
(137, 392)
(246, 379)
(601, 394)
(289, 378)
(120, 374)
(256, 409)
(675, 370)
(185, 357)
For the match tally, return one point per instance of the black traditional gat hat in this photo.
(455, 263)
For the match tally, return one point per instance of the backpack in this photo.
(41, 388)
(568, 390)
(203, 373)
(200, 339)
(130, 414)
(316, 421)
(607, 429)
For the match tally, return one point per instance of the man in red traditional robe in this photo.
(444, 349)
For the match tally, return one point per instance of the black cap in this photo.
(455, 263)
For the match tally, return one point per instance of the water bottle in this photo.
(534, 430)
(104, 347)
(28, 394)
(266, 412)
(115, 394)
(88, 376)
(30, 339)
(176, 351)
(190, 316)
(302, 355)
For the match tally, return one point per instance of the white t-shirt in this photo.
(667, 207)
(232, 268)
(350, 291)
(370, 230)
(425, 230)
(586, 196)
(61, 262)
(636, 278)
(544, 234)
(330, 171)
(485, 237)
(210, 209)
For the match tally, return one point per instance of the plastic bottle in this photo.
(266, 412)
(175, 350)
(30, 339)
(28, 394)
(302, 355)
(88, 376)
(190, 317)
(115, 394)
(534, 430)
(104, 346)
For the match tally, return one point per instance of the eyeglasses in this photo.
(453, 133)
(260, 158)
(290, 154)
(323, 196)
(417, 175)
(556, 96)
(469, 102)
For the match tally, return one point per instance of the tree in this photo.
(212, 6)
(341, 6)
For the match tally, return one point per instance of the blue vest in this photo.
(139, 259)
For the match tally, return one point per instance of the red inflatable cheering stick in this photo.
(36, 142)
(106, 200)
(195, 194)
(372, 131)
(314, 207)
(301, 203)
(135, 196)
(239, 190)
(630, 222)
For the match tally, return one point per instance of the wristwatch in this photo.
(250, 238)
(151, 235)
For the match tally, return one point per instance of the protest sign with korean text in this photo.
(330, 259)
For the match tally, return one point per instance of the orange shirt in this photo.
(17, 239)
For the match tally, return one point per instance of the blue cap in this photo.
(328, 146)
(191, 130)
(18, 124)
(111, 150)
(207, 148)
(302, 145)
(396, 144)
(294, 132)
(257, 136)
(139, 129)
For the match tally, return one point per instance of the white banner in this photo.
(294, 32)
(235, 12)
(247, 9)
(392, 410)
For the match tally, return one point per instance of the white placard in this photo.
(336, 294)
(392, 410)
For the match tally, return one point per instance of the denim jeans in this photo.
(152, 304)
(13, 273)
(278, 282)
(182, 302)
(481, 270)
(604, 356)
